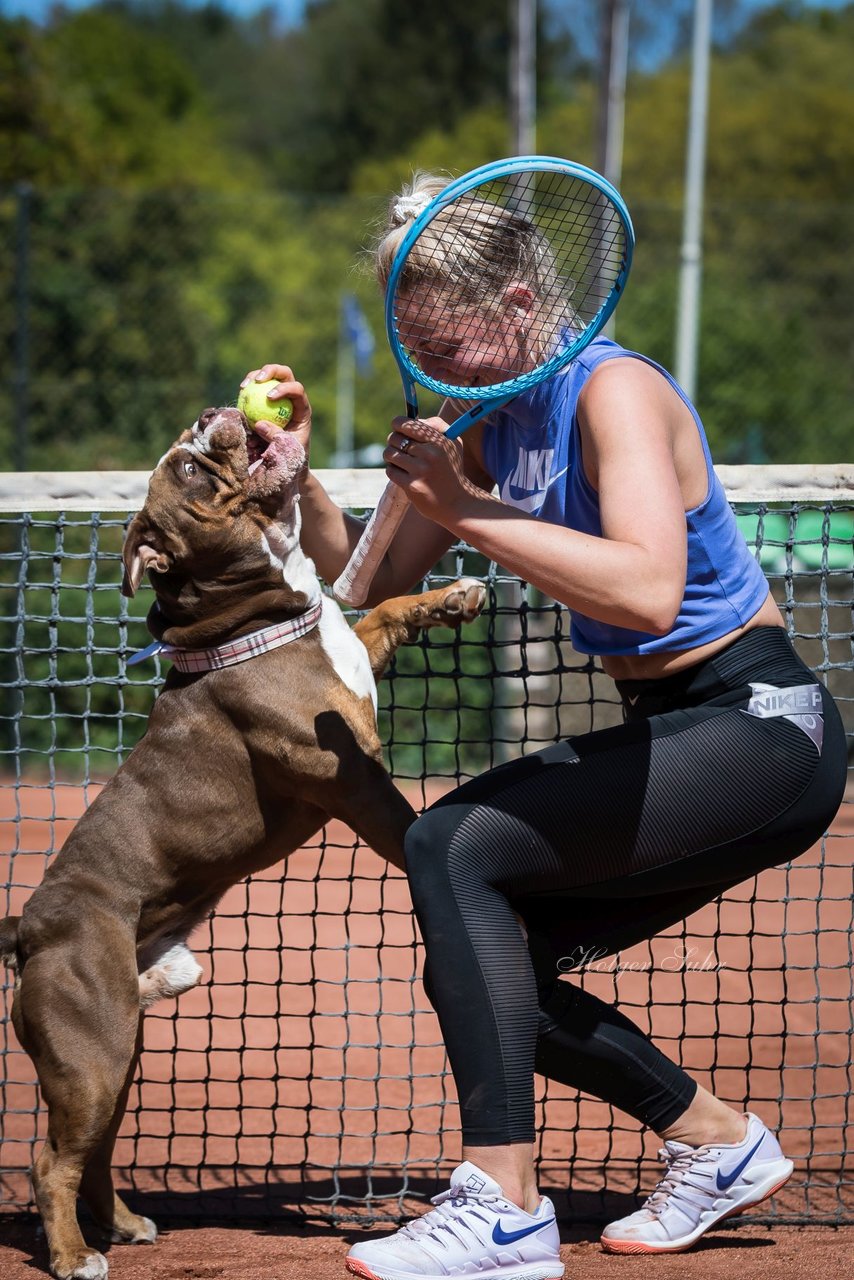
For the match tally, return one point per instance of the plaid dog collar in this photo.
(194, 661)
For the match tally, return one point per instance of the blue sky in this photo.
(289, 11)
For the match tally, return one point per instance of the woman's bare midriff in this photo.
(652, 666)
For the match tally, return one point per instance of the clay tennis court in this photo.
(279, 1102)
(284, 1252)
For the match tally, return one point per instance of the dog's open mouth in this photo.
(276, 459)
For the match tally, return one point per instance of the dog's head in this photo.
(222, 511)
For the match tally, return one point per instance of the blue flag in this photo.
(356, 330)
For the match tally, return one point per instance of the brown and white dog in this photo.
(238, 768)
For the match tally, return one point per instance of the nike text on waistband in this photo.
(798, 703)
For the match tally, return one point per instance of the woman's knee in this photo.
(432, 849)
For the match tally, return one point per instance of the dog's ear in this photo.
(138, 555)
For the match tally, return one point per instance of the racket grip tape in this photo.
(353, 585)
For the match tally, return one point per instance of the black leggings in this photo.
(598, 843)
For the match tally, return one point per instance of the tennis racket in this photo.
(527, 257)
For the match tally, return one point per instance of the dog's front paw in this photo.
(88, 1266)
(461, 602)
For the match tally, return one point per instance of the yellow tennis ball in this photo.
(253, 402)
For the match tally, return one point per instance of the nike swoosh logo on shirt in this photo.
(534, 500)
(725, 1180)
(500, 1236)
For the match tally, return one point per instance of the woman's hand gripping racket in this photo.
(499, 283)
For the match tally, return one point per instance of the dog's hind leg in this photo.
(77, 1015)
(384, 822)
(393, 622)
(96, 1186)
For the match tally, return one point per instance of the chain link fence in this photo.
(307, 1074)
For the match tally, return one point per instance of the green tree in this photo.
(111, 130)
(174, 240)
(371, 76)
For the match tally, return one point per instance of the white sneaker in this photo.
(701, 1186)
(473, 1231)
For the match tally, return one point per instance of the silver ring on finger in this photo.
(407, 443)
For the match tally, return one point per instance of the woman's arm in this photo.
(634, 575)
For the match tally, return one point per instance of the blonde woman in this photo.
(731, 758)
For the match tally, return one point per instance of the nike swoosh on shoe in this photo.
(500, 1236)
(724, 1180)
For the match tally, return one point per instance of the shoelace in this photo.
(446, 1216)
(678, 1168)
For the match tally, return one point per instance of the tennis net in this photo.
(306, 1076)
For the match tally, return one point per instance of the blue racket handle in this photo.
(473, 415)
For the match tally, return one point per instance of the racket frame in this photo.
(513, 166)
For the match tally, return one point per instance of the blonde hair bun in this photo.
(403, 209)
(408, 207)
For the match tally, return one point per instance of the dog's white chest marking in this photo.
(342, 646)
(289, 559)
(346, 652)
(171, 973)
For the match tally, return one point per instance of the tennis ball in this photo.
(253, 402)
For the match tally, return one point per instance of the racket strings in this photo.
(505, 277)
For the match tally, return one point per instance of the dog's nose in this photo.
(206, 417)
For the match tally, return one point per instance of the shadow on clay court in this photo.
(283, 1206)
(27, 1235)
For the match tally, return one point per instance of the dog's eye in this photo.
(189, 468)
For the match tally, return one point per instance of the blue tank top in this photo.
(532, 450)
